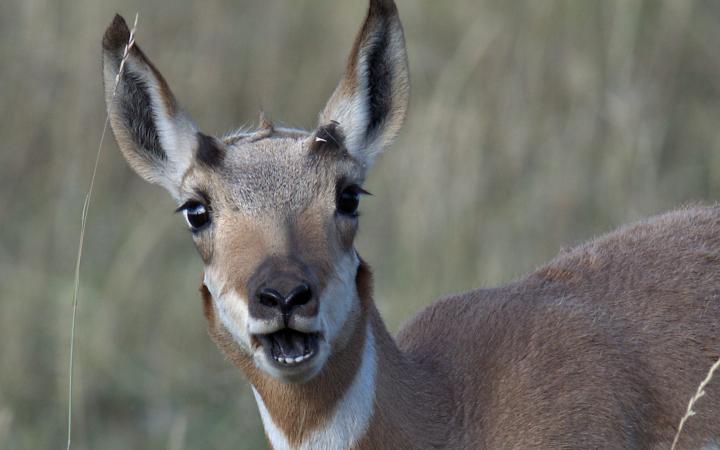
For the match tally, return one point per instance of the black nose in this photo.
(282, 287)
(298, 296)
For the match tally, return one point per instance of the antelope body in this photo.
(600, 348)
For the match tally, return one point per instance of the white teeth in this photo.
(292, 361)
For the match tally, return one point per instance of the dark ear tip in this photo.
(116, 35)
(383, 7)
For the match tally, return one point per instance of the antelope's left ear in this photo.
(372, 98)
(156, 137)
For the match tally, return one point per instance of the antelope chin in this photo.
(291, 356)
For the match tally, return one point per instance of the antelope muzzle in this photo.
(284, 311)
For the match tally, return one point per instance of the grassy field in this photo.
(533, 125)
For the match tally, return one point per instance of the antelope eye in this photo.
(348, 200)
(196, 215)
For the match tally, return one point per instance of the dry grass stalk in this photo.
(83, 222)
(698, 394)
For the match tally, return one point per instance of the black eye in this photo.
(196, 215)
(348, 200)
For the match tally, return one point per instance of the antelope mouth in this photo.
(288, 347)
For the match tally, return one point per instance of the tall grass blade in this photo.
(83, 222)
(698, 394)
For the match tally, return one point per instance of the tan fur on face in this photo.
(245, 232)
(238, 242)
(248, 225)
(242, 243)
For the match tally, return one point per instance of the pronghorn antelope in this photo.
(600, 348)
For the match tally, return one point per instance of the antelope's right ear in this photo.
(370, 101)
(154, 135)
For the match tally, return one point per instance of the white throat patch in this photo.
(349, 422)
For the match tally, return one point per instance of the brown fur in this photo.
(600, 348)
(605, 358)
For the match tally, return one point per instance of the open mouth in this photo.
(289, 347)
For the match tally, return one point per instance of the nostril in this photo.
(269, 297)
(301, 295)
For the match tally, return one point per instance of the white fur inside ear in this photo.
(354, 105)
(176, 132)
(351, 113)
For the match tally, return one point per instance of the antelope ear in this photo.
(154, 135)
(371, 100)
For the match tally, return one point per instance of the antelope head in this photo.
(272, 212)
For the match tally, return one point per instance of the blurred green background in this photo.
(533, 125)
